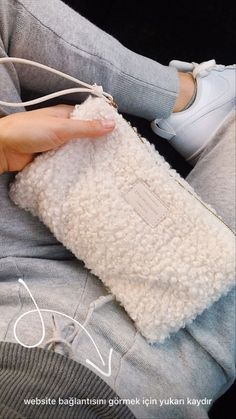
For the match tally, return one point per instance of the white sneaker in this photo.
(189, 131)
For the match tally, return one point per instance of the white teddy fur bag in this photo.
(118, 206)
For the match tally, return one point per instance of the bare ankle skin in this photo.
(187, 90)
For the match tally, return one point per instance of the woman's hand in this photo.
(24, 134)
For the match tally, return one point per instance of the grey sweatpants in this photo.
(198, 362)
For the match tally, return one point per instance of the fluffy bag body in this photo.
(136, 224)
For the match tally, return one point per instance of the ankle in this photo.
(186, 92)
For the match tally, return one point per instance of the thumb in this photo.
(69, 129)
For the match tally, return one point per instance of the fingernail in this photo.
(108, 123)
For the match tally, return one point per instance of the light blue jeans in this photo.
(198, 362)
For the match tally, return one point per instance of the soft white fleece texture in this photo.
(164, 275)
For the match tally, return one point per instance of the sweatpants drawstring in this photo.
(61, 342)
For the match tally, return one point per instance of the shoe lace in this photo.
(204, 68)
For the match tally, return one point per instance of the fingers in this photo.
(72, 129)
(17, 162)
(38, 131)
(58, 111)
(66, 129)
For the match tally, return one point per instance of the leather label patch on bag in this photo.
(146, 203)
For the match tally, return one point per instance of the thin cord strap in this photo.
(87, 88)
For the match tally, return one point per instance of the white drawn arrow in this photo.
(39, 311)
